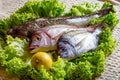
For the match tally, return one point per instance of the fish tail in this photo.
(105, 11)
(98, 28)
(97, 31)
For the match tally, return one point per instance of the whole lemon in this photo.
(41, 58)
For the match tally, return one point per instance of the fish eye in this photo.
(37, 38)
(63, 49)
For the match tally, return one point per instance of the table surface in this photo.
(112, 69)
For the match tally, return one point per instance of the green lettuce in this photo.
(110, 20)
(83, 9)
(16, 66)
(44, 8)
(15, 57)
(14, 47)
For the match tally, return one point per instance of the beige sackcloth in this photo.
(112, 69)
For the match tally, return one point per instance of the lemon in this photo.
(41, 58)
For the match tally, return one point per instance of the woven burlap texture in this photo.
(112, 69)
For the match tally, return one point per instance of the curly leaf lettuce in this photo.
(16, 66)
(83, 9)
(44, 8)
(15, 47)
(57, 71)
(107, 43)
(85, 67)
(110, 20)
(81, 71)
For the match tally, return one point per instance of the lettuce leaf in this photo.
(15, 57)
(44, 8)
(110, 20)
(83, 9)
(15, 47)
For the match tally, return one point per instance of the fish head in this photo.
(39, 39)
(66, 49)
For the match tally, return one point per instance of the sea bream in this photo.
(73, 43)
(26, 29)
(45, 39)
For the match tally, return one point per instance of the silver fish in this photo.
(73, 43)
(26, 29)
(45, 39)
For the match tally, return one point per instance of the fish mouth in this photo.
(33, 47)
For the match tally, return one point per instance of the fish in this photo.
(25, 30)
(75, 42)
(45, 39)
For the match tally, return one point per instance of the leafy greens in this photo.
(87, 66)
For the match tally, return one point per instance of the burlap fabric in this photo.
(112, 69)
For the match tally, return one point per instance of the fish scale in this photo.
(74, 34)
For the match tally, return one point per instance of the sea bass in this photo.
(26, 29)
(45, 39)
(73, 43)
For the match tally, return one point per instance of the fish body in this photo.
(45, 39)
(73, 43)
(26, 29)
